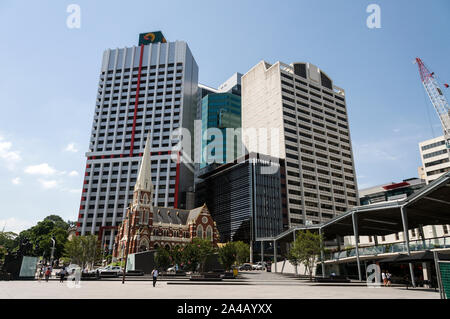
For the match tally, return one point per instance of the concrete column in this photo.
(406, 236)
(338, 241)
(262, 251)
(356, 234)
(422, 234)
(426, 271)
(275, 254)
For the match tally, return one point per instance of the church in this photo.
(153, 227)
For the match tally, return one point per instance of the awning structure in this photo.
(428, 206)
(423, 256)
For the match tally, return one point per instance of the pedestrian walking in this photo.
(383, 276)
(41, 273)
(388, 279)
(155, 274)
(62, 274)
(48, 272)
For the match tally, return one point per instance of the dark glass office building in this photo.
(244, 199)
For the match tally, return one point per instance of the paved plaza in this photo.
(258, 285)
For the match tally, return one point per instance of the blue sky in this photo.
(50, 75)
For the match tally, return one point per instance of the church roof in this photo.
(175, 216)
(144, 180)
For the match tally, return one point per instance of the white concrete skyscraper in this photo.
(435, 158)
(146, 89)
(309, 112)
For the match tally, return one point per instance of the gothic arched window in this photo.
(209, 233)
(200, 231)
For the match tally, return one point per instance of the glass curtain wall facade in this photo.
(220, 111)
(245, 202)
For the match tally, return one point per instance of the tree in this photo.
(162, 258)
(40, 236)
(83, 250)
(227, 255)
(176, 255)
(9, 241)
(306, 249)
(293, 259)
(58, 221)
(3, 252)
(196, 253)
(242, 252)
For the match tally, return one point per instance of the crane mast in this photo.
(437, 98)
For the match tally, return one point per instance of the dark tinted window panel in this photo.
(300, 69)
(326, 82)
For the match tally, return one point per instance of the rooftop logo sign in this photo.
(151, 37)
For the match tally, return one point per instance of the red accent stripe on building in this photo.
(397, 185)
(137, 100)
(177, 180)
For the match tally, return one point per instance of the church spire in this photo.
(144, 180)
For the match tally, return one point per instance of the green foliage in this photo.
(83, 250)
(242, 252)
(195, 254)
(108, 258)
(9, 241)
(118, 263)
(3, 253)
(227, 255)
(305, 249)
(40, 236)
(162, 258)
(176, 255)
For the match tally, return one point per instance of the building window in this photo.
(445, 229)
(199, 231)
(209, 234)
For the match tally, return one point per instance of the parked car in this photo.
(246, 267)
(111, 269)
(259, 266)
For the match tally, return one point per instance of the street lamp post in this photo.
(53, 251)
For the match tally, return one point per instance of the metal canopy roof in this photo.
(428, 206)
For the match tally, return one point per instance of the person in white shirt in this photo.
(383, 276)
(388, 279)
(155, 274)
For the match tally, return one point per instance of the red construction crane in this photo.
(437, 97)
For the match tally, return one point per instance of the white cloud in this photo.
(71, 148)
(48, 184)
(72, 190)
(16, 181)
(14, 225)
(73, 173)
(7, 154)
(41, 169)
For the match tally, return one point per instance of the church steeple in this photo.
(144, 180)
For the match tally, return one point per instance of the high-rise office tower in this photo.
(435, 158)
(219, 109)
(301, 103)
(149, 88)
